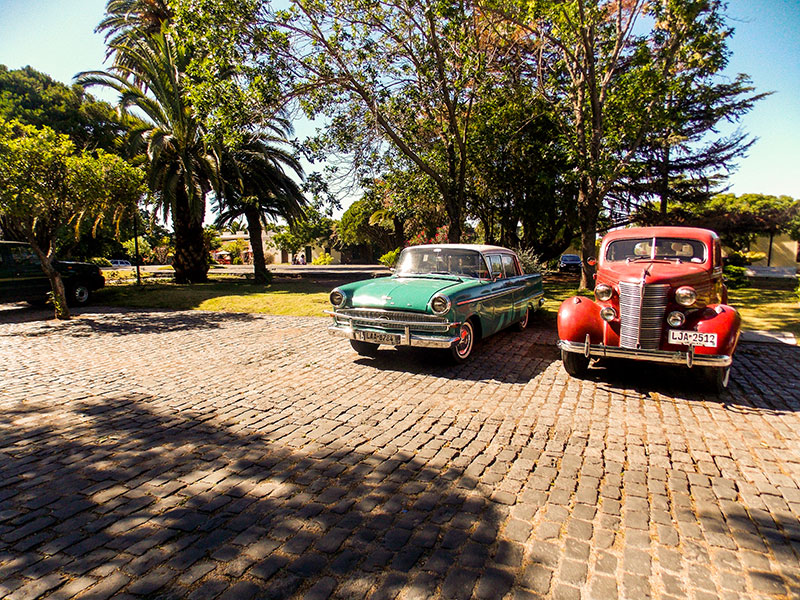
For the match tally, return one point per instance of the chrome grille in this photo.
(390, 319)
(641, 314)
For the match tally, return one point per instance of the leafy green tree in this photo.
(314, 228)
(358, 226)
(518, 173)
(46, 186)
(181, 166)
(607, 67)
(737, 219)
(33, 98)
(394, 80)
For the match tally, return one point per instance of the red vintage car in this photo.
(659, 297)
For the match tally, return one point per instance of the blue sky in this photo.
(56, 37)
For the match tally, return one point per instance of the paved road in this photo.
(201, 455)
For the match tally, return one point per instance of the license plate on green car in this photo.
(377, 337)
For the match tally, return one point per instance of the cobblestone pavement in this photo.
(201, 455)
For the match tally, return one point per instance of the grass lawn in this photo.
(226, 294)
(769, 310)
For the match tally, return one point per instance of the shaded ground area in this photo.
(204, 455)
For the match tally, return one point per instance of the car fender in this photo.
(578, 316)
(723, 320)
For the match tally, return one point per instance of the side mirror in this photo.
(591, 261)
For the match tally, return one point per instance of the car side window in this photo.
(496, 265)
(24, 256)
(509, 267)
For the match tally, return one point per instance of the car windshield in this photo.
(570, 258)
(657, 248)
(442, 261)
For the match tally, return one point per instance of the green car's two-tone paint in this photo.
(440, 296)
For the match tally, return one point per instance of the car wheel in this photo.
(78, 294)
(364, 348)
(575, 364)
(462, 349)
(523, 324)
(717, 378)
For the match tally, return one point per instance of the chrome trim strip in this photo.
(488, 296)
(659, 356)
(406, 339)
(390, 323)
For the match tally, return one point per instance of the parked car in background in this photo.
(120, 264)
(569, 263)
(440, 296)
(659, 297)
(22, 278)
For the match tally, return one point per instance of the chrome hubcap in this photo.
(465, 340)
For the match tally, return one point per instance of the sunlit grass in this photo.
(767, 310)
(297, 298)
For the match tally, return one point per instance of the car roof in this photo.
(476, 247)
(695, 233)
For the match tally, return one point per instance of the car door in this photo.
(500, 293)
(29, 280)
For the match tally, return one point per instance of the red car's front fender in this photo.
(721, 319)
(578, 316)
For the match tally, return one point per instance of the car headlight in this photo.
(337, 298)
(440, 304)
(685, 296)
(608, 314)
(676, 318)
(603, 292)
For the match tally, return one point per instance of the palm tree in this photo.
(126, 21)
(254, 183)
(181, 166)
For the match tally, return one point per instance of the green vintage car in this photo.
(440, 296)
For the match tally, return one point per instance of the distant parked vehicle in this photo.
(22, 277)
(569, 263)
(659, 297)
(120, 264)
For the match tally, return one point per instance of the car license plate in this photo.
(377, 337)
(693, 338)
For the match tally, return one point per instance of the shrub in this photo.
(530, 261)
(100, 261)
(735, 276)
(323, 259)
(797, 292)
(269, 258)
(390, 258)
(742, 259)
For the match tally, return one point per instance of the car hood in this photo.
(654, 272)
(403, 293)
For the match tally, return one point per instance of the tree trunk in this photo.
(399, 232)
(56, 283)
(588, 212)
(261, 274)
(191, 260)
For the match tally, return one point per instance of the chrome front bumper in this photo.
(406, 338)
(429, 331)
(688, 358)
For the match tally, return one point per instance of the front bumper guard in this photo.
(688, 358)
(406, 338)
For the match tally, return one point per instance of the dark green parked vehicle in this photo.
(22, 277)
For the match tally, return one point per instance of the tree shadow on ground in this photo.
(489, 361)
(129, 497)
(90, 321)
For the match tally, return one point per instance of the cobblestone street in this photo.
(208, 455)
